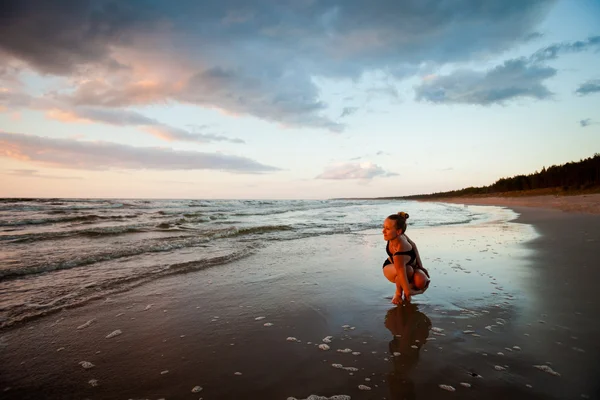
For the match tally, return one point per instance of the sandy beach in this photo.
(511, 312)
(586, 203)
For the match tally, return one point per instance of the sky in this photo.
(291, 99)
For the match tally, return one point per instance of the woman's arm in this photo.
(419, 262)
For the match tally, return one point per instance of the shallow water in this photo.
(61, 252)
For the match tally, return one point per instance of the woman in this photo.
(403, 266)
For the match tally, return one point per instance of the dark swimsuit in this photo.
(411, 253)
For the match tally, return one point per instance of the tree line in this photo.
(581, 175)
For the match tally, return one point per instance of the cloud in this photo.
(387, 90)
(383, 153)
(206, 53)
(58, 39)
(291, 99)
(347, 111)
(553, 51)
(515, 78)
(152, 126)
(33, 173)
(585, 122)
(589, 87)
(354, 170)
(58, 110)
(73, 154)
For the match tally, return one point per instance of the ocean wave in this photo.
(91, 232)
(77, 218)
(83, 294)
(79, 261)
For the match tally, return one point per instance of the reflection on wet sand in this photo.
(410, 328)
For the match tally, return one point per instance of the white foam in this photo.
(465, 384)
(438, 330)
(468, 332)
(113, 334)
(364, 387)
(323, 346)
(93, 382)
(237, 373)
(60, 349)
(315, 397)
(166, 371)
(356, 353)
(196, 389)
(338, 366)
(499, 368)
(259, 318)
(500, 353)
(327, 339)
(149, 306)
(344, 350)
(547, 369)
(86, 364)
(267, 324)
(397, 354)
(447, 387)
(345, 326)
(351, 369)
(82, 326)
(292, 339)
(414, 346)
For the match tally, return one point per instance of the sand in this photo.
(511, 311)
(586, 203)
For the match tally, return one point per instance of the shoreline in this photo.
(204, 327)
(584, 203)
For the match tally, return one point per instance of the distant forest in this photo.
(570, 177)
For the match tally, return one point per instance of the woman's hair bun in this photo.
(403, 214)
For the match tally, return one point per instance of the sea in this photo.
(59, 253)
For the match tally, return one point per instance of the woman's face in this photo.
(389, 229)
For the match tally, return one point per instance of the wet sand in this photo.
(505, 297)
(584, 203)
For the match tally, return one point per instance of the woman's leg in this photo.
(389, 271)
(416, 277)
(420, 280)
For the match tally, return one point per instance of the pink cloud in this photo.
(75, 154)
(354, 170)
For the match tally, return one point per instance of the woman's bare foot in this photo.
(397, 299)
